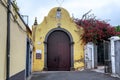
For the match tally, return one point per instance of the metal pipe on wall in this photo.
(8, 41)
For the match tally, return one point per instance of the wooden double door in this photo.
(58, 51)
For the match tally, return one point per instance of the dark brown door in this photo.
(58, 48)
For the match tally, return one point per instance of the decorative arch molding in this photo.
(71, 47)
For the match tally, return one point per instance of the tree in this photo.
(95, 30)
(117, 29)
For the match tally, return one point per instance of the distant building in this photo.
(57, 43)
(14, 68)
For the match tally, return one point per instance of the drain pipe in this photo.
(8, 41)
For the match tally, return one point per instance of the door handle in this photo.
(57, 59)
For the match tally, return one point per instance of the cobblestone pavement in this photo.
(71, 75)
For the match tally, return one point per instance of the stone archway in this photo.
(46, 47)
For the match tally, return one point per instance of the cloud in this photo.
(103, 9)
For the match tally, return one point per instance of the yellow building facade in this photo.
(19, 32)
(57, 43)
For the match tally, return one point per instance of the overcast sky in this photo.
(103, 9)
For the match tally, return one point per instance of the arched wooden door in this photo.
(58, 51)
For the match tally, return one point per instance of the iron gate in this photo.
(107, 59)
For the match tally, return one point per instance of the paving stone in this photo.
(72, 75)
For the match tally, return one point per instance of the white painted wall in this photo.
(89, 55)
(112, 41)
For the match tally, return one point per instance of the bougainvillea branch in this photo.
(95, 30)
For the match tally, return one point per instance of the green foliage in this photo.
(16, 8)
(117, 28)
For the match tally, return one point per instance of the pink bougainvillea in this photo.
(95, 30)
